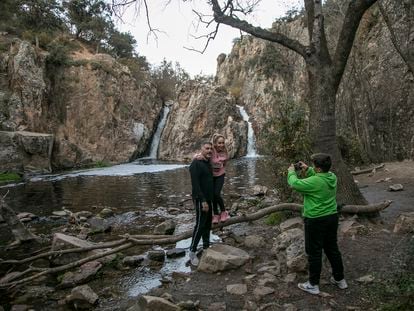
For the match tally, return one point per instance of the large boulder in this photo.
(82, 298)
(221, 257)
(62, 241)
(200, 111)
(25, 152)
(152, 303)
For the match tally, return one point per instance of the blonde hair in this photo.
(215, 138)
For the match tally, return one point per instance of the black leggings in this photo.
(321, 234)
(202, 227)
(218, 182)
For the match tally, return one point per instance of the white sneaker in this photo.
(307, 287)
(341, 284)
(194, 259)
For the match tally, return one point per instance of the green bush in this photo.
(58, 54)
(287, 141)
(8, 177)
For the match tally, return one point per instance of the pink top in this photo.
(218, 162)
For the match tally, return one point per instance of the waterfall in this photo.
(251, 139)
(156, 139)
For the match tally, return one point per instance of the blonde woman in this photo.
(218, 162)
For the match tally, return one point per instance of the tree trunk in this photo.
(322, 97)
(20, 232)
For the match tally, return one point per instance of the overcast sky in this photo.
(178, 25)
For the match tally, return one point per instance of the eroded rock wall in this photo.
(375, 104)
(93, 106)
(200, 111)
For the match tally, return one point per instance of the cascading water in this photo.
(251, 139)
(156, 139)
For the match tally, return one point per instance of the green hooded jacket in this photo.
(319, 191)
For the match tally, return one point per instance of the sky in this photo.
(177, 25)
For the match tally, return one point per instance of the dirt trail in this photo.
(374, 250)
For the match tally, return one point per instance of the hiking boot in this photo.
(340, 284)
(224, 216)
(308, 287)
(216, 219)
(194, 259)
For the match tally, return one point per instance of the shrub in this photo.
(8, 177)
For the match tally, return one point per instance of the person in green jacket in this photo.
(321, 219)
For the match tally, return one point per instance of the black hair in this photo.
(206, 142)
(322, 161)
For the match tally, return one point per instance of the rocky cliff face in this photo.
(94, 108)
(200, 111)
(375, 102)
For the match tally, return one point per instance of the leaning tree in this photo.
(325, 68)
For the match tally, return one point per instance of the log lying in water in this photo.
(130, 241)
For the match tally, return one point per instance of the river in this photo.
(140, 194)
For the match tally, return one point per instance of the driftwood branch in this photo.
(130, 241)
(368, 170)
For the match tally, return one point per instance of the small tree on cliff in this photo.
(324, 68)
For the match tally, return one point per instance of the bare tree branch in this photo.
(353, 16)
(222, 17)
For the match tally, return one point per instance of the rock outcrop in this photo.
(200, 111)
(375, 102)
(94, 107)
(25, 152)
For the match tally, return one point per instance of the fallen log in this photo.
(368, 170)
(130, 241)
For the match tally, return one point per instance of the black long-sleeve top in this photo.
(202, 180)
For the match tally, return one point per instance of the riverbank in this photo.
(379, 263)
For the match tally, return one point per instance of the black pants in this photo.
(202, 226)
(321, 234)
(218, 200)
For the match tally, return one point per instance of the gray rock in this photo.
(63, 241)
(267, 279)
(254, 241)
(82, 297)
(286, 238)
(60, 213)
(259, 190)
(106, 212)
(166, 227)
(260, 291)
(25, 152)
(237, 289)
(296, 222)
(133, 260)
(24, 215)
(289, 307)
(188, 305)
(366, 279)
(98, 225)
(152, 303)
(175, 252)
(156, 255)
(396, 187)
(290, 278)
(221, 257)
(84, 274)
(85, 214)
(296, 259)
(404, 223)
